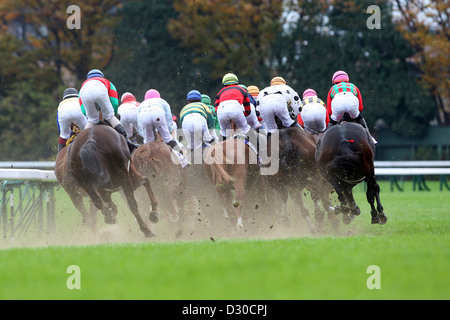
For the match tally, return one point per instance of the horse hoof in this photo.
(149, 234)
(376, 220)
(110, 220)
(347, 218)
(153, 217)
(383, 219)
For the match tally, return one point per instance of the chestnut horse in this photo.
(155, 160)
(345, 156)
(96, 164)
(231, 165)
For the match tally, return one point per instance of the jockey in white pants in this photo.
(281, 101)
(155, 115)
(197, 119)
(69, 111)
(99, 92)
(313, 116)
(128, 112)
(232, 105)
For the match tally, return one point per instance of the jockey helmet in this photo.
(194, 95)
(127, 96)
(206, 99)
(340, 76)
(277, 80)
(70, 93)
(230, 78)
(309, 93)
(253, 90)
(152, 93)
(95, 73)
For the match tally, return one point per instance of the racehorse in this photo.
(297, 172)
(98, 162)
(345, 157)
(155, 160)
(74, 190)
(231, 165)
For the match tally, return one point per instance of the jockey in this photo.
(154, 114)
(98, 91)
(232, 105)
(279, 101)
(207, 100)
(69, 111)
(252, 118)
(345, 97)
(313, 116)
(128, 111)
(254, 92)
(197, 119)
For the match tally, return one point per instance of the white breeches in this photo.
(195, 124)
(231, 110)
(271, 106)
(95, 93)
(314, 117)
(344, 102)
(68, 115)
(153, 118)
(128, 119)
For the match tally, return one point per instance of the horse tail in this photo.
(92, 163)
(217, 171)
(347, 158)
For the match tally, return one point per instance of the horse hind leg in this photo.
(88, 218)
(372, 194)
(132, 203)
(110, 210)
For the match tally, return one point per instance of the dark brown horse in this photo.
(98, 163)
(345, 157)
(297, 173)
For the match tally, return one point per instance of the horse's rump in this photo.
(93, 163)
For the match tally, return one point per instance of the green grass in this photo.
(412, 251)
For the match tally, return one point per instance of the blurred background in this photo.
(174, 46)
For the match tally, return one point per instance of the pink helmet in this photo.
(340, 76)
(309, 93)
(127, 96)
(152, 93)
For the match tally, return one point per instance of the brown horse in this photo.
(345, 157)
(98, 163)
(298, 172)
(231, 165)
(156, 161)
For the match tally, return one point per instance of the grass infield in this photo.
(411, 252)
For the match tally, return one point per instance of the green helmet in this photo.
(206, 99)
(229, 79)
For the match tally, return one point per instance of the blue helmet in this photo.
(194, 95)
(95, 73)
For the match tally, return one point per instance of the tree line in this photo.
(175, 46)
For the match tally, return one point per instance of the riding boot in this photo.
(131, 146)
(363, 123)
(331, 123)
(60, 146)
(172, 144)
(295, 124)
